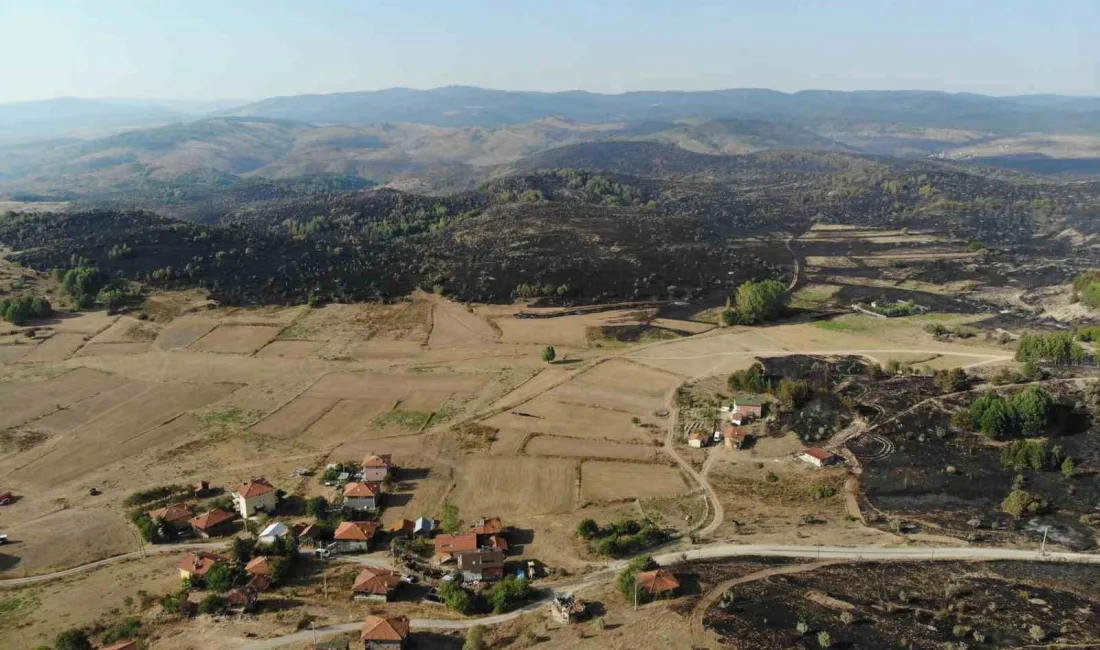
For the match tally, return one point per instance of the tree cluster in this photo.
(621, 538)
(1056, 348)
(759, 302)
(1026, 413)
(21, 309)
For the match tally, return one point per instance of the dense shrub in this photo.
(1057, 348)
(21, 309)
(509, 593)
(760, 301)
(626, 579)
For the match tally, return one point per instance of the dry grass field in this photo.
(515, 488)
(236, 339)
(612, 481)
(581, 448)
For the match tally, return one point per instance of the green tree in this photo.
(83, 284)
(760, 301)
(475, 638)
(626, 579)
(824, 639)
(509, 593)
(317, 507)
(952, 381)
(728, 317)
(1032, 406)
(549, 354)
(1069, 468)
(212, 604)
(220, 578)
(450, 520)
(588, 528)
(72, 639)
(456, 597)
(993, 416)
(751, 379)
(242, 549)
(793, 393)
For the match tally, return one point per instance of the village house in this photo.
(818, 457)
(657, 583)
(196, 565)
(241, 599)
(213, 523)
(698, 440)
(448, 546)
(273, 532)
(362, 496)
(748, 406)
(175, 516)
(259, 566)
(307, 534)
(385, 633)
(354, 536)
(736, 437)
(375, 584)
(490, 533)
(377, 467)
(566, 608)
(255, 496)
(424, 527)
(481, 564)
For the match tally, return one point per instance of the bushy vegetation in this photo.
(1056, 348)
(750, 380)
(622, 538)
(626, 579)
(510, 593)
(1020, 502)
(149, 495)
(894, 309)
(1027, 413)
(758, 302)
(1032, 454)
(21, 309)
(457, 597)
(951, 381)
(1086, 288)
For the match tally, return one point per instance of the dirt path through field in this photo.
(699, 636)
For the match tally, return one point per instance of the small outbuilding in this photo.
(698, 440)
(273, 532)
(818, 457)
(657, 583)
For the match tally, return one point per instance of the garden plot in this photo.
(613, 481)
(546, 415)
(13, 353)
(112, 349)
(128, 428)
(581, 448)
(56, 348)
(20, 403)
(184, 331)
(294, 418)
(236, 339)
(289, 349)
(453, 326)
(346, 419)
(509, 487)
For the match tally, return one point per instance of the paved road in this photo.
(149, 550)
(713, 551)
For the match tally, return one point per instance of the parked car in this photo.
(3, 539)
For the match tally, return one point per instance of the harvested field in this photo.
(295, 417)
(289, 349)
(102, 534)
(90, 322)
(546, 415)
(236, 339)
(453, 326)
(128, 330)
(111, 349)
(278, 317)
(611, 481)
(510, 487)
(13, 353)
(386, 387)
(582, 448)
(833, 262)
(184, 331)
(345, 420)
(606, 398)
(95, 434)
(631, 378)
(20, 402)
(56, 348)
(384, 349)
(508, 443)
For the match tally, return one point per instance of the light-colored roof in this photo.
(277, 529)
(172, 513)
(211, 518)
(254, 488)
(355, 531)
(375, 581)
(657, 581)
(362, 489)
(259, 566)
(455, 543)
(378, 460)
(376, 628)
(818, 453)
(201, 562)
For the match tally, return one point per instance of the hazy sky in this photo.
(198, 49)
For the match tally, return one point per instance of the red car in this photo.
(6, 498)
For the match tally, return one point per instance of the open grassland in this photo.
(582, 448)
(236, 339)
(611, 481)
(515, 487)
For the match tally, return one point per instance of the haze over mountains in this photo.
(454, 137)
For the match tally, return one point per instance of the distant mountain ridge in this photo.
(469, 106)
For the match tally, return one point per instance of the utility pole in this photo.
(635, 593)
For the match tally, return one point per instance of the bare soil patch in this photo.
(582, 448)
(112, 349)
(184, 331)
(611, 481)
(56, 348)
(13, 353)
(236, 339)
(508, 487)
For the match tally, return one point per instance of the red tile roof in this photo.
(488, 526)
(445, 544)
(657, 581)
(378, 460)
(362, 489)
(401, 526)
(259, 566)
(211, 518)
(255, 488)
(818, 453)
(173, 513)
(378, 582)
(735, 432)
(201, 562)
(498, 542)
(394, 629)
(355, 531)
